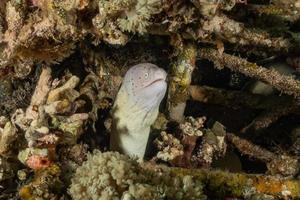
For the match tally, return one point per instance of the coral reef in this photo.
(232, 69)
(45, 185)
(122, 177)
(284, 83)
(183, 149)
(50, 120)
(169, 147)
(112, 175)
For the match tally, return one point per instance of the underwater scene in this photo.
(149, 99)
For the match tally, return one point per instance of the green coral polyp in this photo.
(138, 18)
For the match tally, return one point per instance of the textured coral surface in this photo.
(228, 126)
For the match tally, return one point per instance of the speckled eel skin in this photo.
(136, 108)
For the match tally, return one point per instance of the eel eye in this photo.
(146, 75)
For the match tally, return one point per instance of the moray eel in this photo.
(136, 108)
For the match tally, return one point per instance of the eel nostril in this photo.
(161, 74)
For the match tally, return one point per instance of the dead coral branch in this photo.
(274, 107)
(285, 84)
(266, 118)
(181, 78)
(247, 148)
(39, 96)
(237, 99)
(277, 164)
(236, 33)
(287, 10)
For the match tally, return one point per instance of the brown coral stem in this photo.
(286, 9)
(284, 83)
(277, 164)
(266, 118)
(274, 106)
(230, 31)
(236, 33)
(237, 99)
(250, 149)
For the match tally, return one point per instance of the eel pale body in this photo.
(136, 108)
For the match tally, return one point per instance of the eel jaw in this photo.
(155, 81)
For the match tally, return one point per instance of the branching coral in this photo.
(210, 8)
(111, 20)
(24, 34)
(169, 147)
(287, 10)
(236, 33)
(277, 165)
(181, 149)
(238, 99)
(50, 104)
(192, 126)
(286, 84)
(266, 118)
(273, 106)
(213, 146)
(51, 118)
(43, 123)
